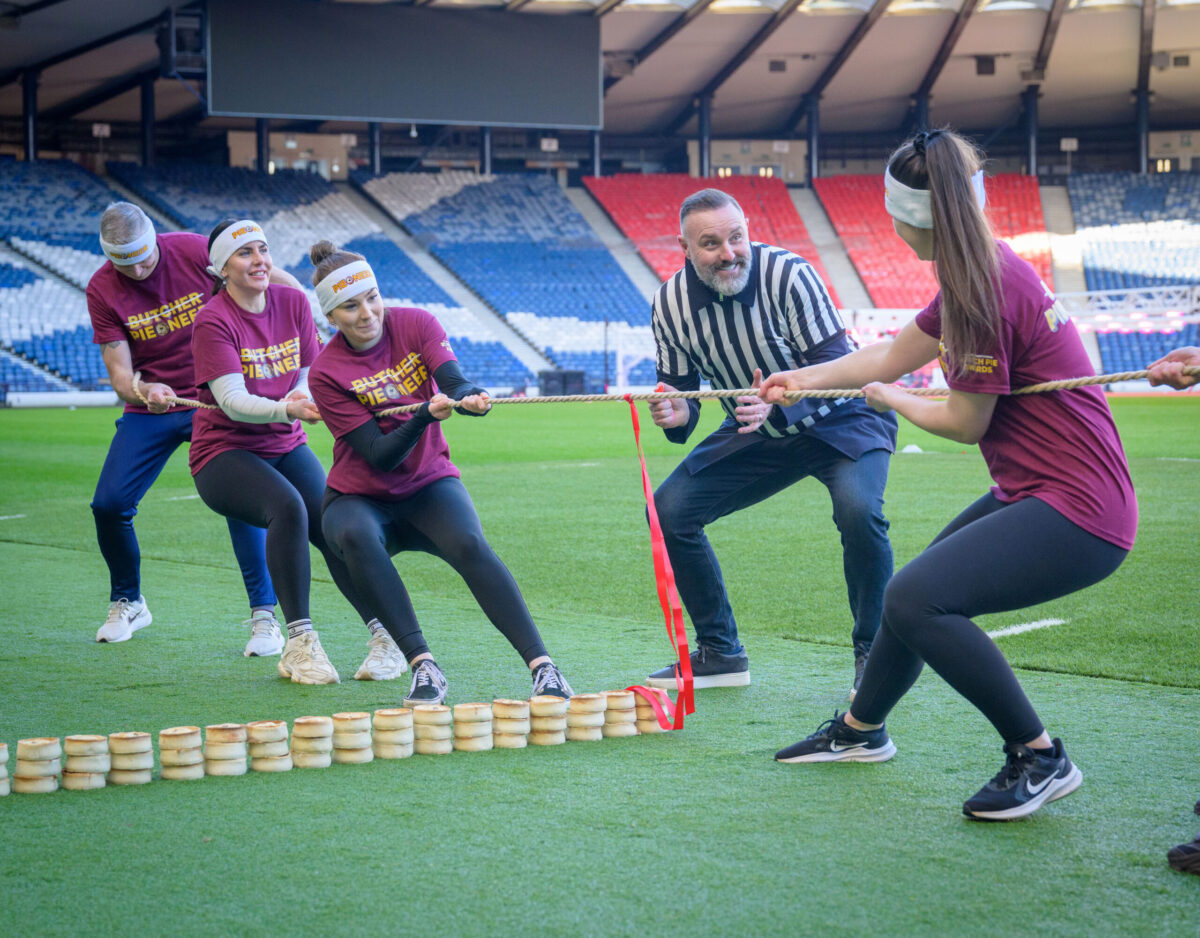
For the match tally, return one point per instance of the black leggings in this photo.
(440, 520)
(994, 557)
(283, 495)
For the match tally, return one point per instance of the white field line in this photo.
(182, 498)
(1026, 627)
(1177, 459)
(10, 517)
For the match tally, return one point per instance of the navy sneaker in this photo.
(1028, 780)
(548, 681)
(428, 685)
(834, 741)
(709, 669)
(1186, 857)
(861, 650)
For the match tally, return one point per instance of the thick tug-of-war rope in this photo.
(792, 396)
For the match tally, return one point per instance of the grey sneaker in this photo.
(428, 685)
(124, 618)
(861, 650)
(709, 669)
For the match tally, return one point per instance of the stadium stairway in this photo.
(1064, 246)
(490, 326)
(623, 250)
(844, 278)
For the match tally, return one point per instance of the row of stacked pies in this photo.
(87, 762)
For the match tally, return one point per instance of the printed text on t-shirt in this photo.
(391, 382)
(163, 320)
(272, 361)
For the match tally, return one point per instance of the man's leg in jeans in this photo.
(856, 489)
(687, 502)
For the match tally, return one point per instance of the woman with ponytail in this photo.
(393, 487)
(1061, 516)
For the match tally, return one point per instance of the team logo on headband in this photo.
(126, 255)
(351, 280)
(246, 229)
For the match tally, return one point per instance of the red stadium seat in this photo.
(646, 207)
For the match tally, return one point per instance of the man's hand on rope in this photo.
(1168, 370)
(752, 410)
(156, 396)
(670, 413)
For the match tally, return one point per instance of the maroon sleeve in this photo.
(214, 349)
(106, 324)
(435, 346)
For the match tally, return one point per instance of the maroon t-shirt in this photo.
(155, 315)
(1061, 447)
(351, 387)
(268, 349)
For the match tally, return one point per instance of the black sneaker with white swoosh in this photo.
(834, 741)
(1030, 778)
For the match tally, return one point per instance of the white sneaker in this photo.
(266, 637)
(305, 661)
(124, 618)
(384, 661)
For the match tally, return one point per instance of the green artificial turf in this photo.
(693, 833)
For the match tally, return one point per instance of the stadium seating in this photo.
(1130, 350)
(1137, 231)
(646, 209)
(296, 209)
(893, 276)
(521, 246)
(45, 322)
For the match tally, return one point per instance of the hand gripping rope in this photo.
(670, 714)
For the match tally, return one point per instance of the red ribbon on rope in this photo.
(669, 716)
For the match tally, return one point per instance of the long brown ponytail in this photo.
(964, 250)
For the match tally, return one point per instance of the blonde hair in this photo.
(965, 256)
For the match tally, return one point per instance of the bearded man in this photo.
(736, 310)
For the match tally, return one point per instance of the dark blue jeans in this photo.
(140, 448)
(687, 502)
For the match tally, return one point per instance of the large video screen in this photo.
(361, 62)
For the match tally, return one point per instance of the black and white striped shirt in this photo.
(783, 319)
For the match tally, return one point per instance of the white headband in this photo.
(136, 251)
(229, 240)
(912, 206)
(347, 281)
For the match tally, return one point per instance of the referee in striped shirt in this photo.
(735, 311)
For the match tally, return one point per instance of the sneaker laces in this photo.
(261, 625)
(548, 677)
(423, 675)
(1019, 759)
(120, 609)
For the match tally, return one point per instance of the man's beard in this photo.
(725, 285)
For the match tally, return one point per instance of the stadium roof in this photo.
(761, 60)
